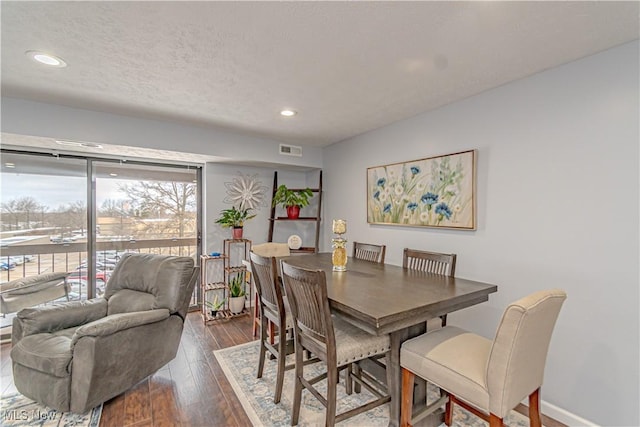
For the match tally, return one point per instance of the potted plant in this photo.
(292, 200)
(215, 306)
(236, 294)
(234, 218)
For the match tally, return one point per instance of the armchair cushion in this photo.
(58, 317)
(126, 300)
(46, 352)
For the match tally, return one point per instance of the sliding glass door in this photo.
(80, 215)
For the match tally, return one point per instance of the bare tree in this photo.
(173, 202)
(27, 205)
(111, 207)
(11, 214)
(74, 217)
(21, 210)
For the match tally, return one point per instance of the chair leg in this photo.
(282, 355)
(495, 421)
(263, 349)
(256, 316)
(348, 383)
(444, 320)
(297, 390)
(448, 411)
(332, 391)
(406, 402)
(534, 409)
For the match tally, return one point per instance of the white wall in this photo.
(557, 207)
(31, 118)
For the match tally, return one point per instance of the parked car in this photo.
(79, 286)
(99, 265)
(4, 266)
(82, 274)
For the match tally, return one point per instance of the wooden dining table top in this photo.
(382, 298)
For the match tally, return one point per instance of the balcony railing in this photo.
(70, 257)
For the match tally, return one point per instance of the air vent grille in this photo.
(290, 150)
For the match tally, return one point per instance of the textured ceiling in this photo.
(346, 67)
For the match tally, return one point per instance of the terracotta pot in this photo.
(293, 212)
(237, 232)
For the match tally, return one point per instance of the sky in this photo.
(54, 191)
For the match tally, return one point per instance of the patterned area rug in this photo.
(240, 364)
(17, 410)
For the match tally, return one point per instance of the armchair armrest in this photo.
(60, 316)
(118, 322)
(32, 283)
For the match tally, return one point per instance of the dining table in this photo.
(389, 299)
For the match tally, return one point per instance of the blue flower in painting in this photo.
(387, 208)
(443, 210)
(415, 170)
(429, 199)
(412, 206)
(381, 182)
(376, 195)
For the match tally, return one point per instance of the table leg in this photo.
(394, 375)
(395, 372)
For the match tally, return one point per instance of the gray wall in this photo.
(256, 229)
(557, 191)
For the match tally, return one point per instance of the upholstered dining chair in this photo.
(273, 311)
(334, 341)
(76, 355)
(369, 252)
(430, 262)
(488, 378)
(268, 249)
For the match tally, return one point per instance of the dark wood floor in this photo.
(191, 390)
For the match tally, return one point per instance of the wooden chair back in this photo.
(369, 252)
(430, 262)
(307, 294)
(268, 288)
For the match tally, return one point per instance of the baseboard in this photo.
(564, 416)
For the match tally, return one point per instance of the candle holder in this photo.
(339, 244)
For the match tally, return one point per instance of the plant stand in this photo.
(215, 274)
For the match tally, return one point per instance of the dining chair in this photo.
(488, 378)
(430, 262)
(268, 249)
(333, 340)
(369, 252)
(273, 311)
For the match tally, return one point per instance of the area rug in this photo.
(240, 364)
(17, 410)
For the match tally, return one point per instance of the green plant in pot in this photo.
(292, 200)
(236, 293)
(234, 218)
(215, 306)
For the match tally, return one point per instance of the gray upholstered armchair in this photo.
(75, 355)
(33, 290)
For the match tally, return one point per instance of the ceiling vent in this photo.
(290, 150)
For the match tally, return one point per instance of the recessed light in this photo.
(288, 113)
(46, 58)
(78, 144)
(113, 174)
(10, 165)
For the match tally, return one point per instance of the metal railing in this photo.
(70, 257)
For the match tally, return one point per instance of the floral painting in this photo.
(432, 192)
